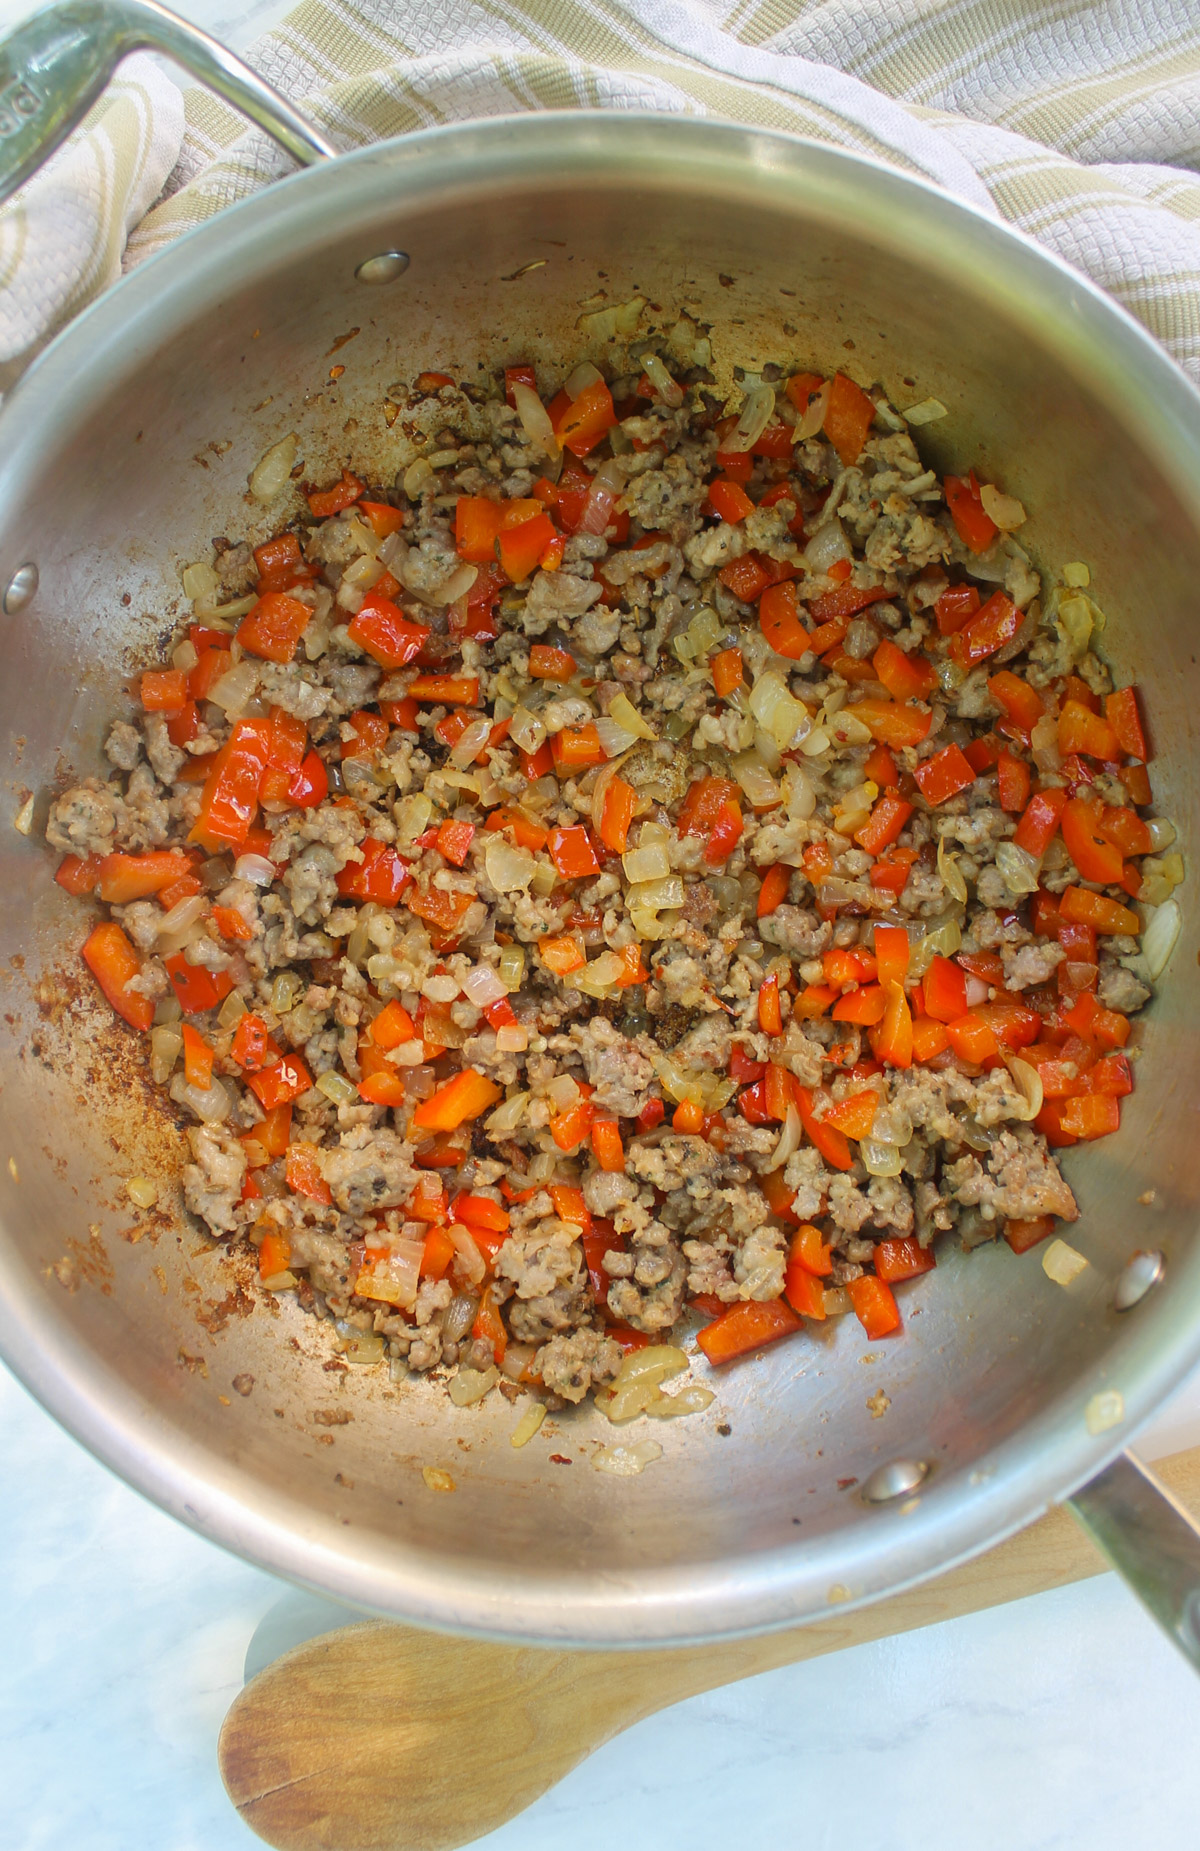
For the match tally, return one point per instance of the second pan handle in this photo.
(1151, 1541)
(55, 65)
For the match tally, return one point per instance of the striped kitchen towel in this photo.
(1078, 120)
(63, 238)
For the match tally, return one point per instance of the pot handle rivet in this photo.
(894, 1480)
(383, 269)
(1140, 1273)
(20, 589)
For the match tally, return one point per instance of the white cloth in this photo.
(1079, 123)
(63, 238)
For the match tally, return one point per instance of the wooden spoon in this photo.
(343, 1743)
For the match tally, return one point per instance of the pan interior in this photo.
(130, 447)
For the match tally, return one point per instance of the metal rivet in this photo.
(383, 269)
(20, 589)
(1141, 1271)
(894, 1481)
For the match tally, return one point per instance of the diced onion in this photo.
(483, 985)
(471, 1385)
(789, 1139)
(646, 863)
(236, 689)
(656, 896)
(627, 1461)
(141, 1191)
(583, 376)
(600, 975)
(1076, 574)
(526, 730)
(211, 1104)
(951, 873)
(337, 1087)
(837, 1301)
(509, 869)
(394, 1274)
(1162, 833)
(512, 967)
(182, 916)
(508, 1116)
(813, 415)
(1017, 867)
(412, 816)
(528, 1424)
(1029, 1080)
(416, 476)
(470, 743)
(284, 991)
(271, 473)
(468, 1261)
(1104, 1410)
(231, 1011)
(778, 712)
(201, 585)
(562, 1092)
(535, 419)
(880, 1159)
(1062, 1263)
(614, 738)
(692, 1398)
(753, 419)
(668, 390)
(1005, 510)
(1043, 741)
(760, 788)
(622, 710)
(254, 868)
(1158, 941)
(166, 1045)
(927, 411)
(827, 546)
(602, 497)
(942, 942)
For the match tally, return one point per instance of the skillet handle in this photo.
(1151, 1541)
(55, 65)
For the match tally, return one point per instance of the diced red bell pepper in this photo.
(370, 735)
(1081, 731)
(381, 628)
(956, 604)
(892, 950)
(745, 1327)
(328, 501)
(1122, 713)
(584, 421)
(944, 775)
(163, 690)
(902, 1259)
(892, 722)
(572, 853)
(848, 415)
(770, 1019)
(252, 1046)
(729, 500)
(774, 889)
(274, 627)
(1039, 825)
(122, 878)
(1014, 782)
(230, 797)
(874, 1305)
(1096, 859)
(1097, 910)
(197, 989)
(976, 528)
(114, 964)
(845, 602)
(972, 1039)
(381, 875)
(945, 990)
(274, 1086)
(456, 1101)
(855, 1114)
(725, 834)
(303, 1173)
(575, 748)
(886, 821)
(892, 1041)
(993, 625)
(1022, 1235)
(520, 548)
(549, 664)
(1022, 704)
(454, 839)
(1092, 1115)
(779, 620)
(382, 518)
(906, 678)
(831, 1142)
(78, 874)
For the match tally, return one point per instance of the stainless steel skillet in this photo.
(128, 445)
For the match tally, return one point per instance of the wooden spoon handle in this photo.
(344, 1743)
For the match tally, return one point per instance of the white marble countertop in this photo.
(1058, 1723)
